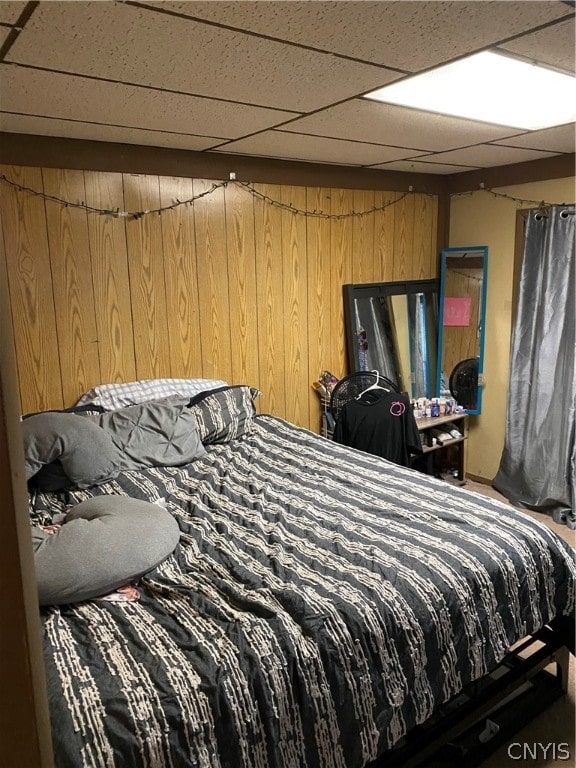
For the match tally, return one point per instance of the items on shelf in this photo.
(443, 445)
(438, 406)
(443, 436)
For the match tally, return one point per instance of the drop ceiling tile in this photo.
(486, 155)
(561, 138)
(10, 11)
(409, 36)
(34, 92)
(293, 146)
(418, 166)
(554, 46)
(365, 120)
(41, 126)
(135, 45)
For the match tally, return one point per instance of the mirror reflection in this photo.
(392, 328)
(461, 330)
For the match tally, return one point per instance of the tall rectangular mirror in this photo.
(462, 324)
(392, 328)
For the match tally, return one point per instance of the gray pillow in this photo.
(105, 543)
(160, 433)
(79, 451)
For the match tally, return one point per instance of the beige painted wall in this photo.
(480, 218)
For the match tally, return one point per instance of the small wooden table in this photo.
(428, 424)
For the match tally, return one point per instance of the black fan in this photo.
(350, 387)
(464, 383)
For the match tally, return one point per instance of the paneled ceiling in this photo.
(272, 79)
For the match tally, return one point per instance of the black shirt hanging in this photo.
(382, 423)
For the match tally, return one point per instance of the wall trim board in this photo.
(52, 152)
(557, 167)
(479, 479)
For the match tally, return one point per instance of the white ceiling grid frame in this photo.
(558, 42)
(561, 138)
(73, 129)
(367, 120)
(410, 35)
(138, 46)
(192, 74)
(58, 95)
(315, 149)
(10, 11)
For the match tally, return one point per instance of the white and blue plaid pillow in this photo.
(111, 397)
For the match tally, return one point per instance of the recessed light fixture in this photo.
(490, 87)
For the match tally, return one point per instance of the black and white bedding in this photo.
(321, 603)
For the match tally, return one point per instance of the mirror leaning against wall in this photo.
(461, 328)
(393, 328)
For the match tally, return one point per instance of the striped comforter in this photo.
(321, 603)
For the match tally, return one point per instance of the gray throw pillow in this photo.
(75, 447)
(105, 543)
(160, 433)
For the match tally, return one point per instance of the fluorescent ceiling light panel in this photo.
(492, 88)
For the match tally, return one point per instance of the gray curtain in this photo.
(538, 465)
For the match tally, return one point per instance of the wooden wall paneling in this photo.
(213, 282)
(270, 307)
(384, 236)
(146, 270)
(30, 288)
(72, 283)
(404, 239)
(319, 309)
(110, 278)
(341, 248)
(241, 249)
(5, 302)
(423, 250)
(295, 287)
(181, 276)
(231, 287)
(434, 258)
(363, 266)
(420, 247)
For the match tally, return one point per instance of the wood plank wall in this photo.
(232, 287)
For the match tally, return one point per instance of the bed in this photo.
(320, 605)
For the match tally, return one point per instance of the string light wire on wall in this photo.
(248, 187)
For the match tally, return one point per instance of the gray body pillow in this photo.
(66, 449)
(156, 434)
(105, 543)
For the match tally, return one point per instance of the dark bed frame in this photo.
(521, 687)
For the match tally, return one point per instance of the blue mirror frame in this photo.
(462, 325)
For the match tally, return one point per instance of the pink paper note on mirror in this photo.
(457, 310)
